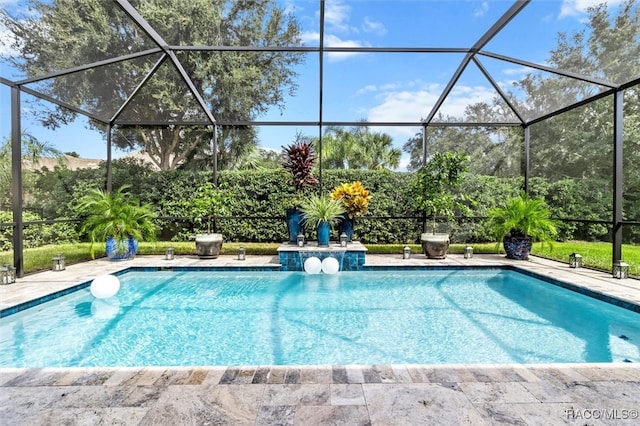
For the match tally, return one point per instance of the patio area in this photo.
(326, 394)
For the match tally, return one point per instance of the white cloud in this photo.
(413, 105)
(405, 159)
(402, 106)
(331, 40)
(463, 96)
(370, 26)
(383, 88)
(578, 7)
(367, 89)
(310, 37)
(335, 41)
(520, 72)
(481, 10)
(336, 15)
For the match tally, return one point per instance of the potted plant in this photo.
(355, 199)
(321, 212)
(298, 159)
(206, 202)
(520, 222)
(434, 188)
(118, 219)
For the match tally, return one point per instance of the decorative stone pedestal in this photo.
(350, 258)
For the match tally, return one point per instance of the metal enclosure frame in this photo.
(472, 55)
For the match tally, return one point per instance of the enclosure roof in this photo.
(428, 47)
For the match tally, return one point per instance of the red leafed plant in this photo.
(299, 159)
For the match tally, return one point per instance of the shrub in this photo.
(38, 234)
(354, 196)
(260, 198)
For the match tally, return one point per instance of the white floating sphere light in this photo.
(330, 265)
(105, 286)
(313, 265)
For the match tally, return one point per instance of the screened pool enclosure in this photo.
(551, 110)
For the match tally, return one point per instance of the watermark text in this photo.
(601, 413)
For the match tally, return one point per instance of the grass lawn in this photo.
(594, 255)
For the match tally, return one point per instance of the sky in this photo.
(389, 87)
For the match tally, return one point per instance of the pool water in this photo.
(179, 318)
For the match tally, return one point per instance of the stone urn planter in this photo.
(435, 246)
(208, 246)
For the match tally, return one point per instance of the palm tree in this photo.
(358, 148)
(116, 215)
(339, 148)
(377, 151)
(32, 151)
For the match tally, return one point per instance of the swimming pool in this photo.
(216, 317)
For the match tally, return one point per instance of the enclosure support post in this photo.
(16, 182)
(109, 159)
(320, 96)
(214, 155)
(527, 158)
(424, 144)
(618, 177)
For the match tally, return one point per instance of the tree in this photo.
(577, 143)
(236, 85)
(377, 151)
(339, 148)
(358, 148)
(32, 151)
(493, 151)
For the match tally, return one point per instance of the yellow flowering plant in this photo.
(354, 196)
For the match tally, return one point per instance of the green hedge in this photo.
(36, 235)
(261, 197)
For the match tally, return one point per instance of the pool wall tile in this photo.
(294, 261)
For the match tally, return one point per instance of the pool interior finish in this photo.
(450, 315)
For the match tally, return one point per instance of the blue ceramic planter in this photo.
(346, 226)
(324, 232)
(293, 224)
(127, 249)
(517, 248)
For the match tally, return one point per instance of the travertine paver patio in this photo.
(352, 395)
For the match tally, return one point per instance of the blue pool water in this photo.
(173, 318)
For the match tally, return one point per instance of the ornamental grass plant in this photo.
(321, 208)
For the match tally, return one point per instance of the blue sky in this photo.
(374, 86)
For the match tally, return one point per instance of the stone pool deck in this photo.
(540, 394)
